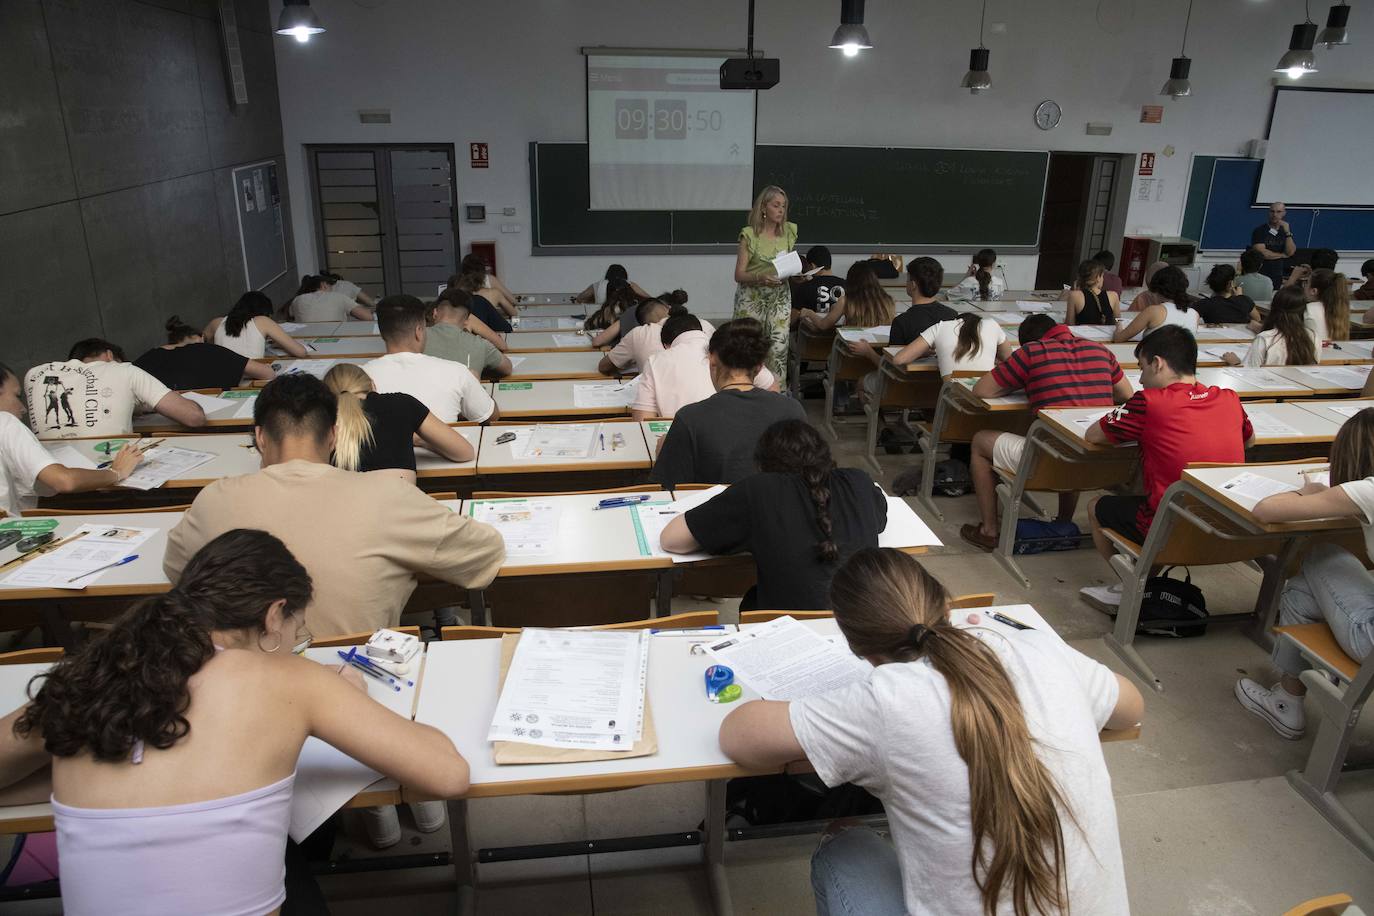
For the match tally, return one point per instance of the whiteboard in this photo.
(1320, 143)
(262, 237)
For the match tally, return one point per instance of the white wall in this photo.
(507, 73)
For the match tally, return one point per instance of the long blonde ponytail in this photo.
(352, 429)
(889, 607)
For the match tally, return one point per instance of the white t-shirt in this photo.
(681, 375)
(322, 305)
(251, 342)
(599, 292)
(71, 399)
(1270, 349)
(969, 287)
(347, 288)
(448, 389)
(21, 458)
(1184, 318)
(643, 341)
(1361, 493)
(1316, 321)
(943, 338)
(891, 734)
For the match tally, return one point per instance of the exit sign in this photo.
(477, 152)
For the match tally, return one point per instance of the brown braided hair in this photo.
(794, 447)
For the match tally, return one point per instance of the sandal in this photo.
(975, 536)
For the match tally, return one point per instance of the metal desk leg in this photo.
(930, 454)
(1271, 589)
(464, 866)
(874, 410)
(713, 848)
(832, 368)
(477, 601)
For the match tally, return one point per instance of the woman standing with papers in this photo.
(760, 293)
(982, 744)
(173, 739)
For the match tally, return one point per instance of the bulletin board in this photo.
(262, 236)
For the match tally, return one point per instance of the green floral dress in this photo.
(771, 305)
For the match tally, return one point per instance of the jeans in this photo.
(855, 873)
(1332, 587)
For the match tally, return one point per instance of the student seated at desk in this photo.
(248, 327)
(1110, 282)
(95, 393)
(363, 537)
(712, 441)
(1308, 262)
(1174, 307)
(1227, 304)
(455, 335)
(1056, 369)
(317, 300)
(604, 323)
(982, 743)
(478, 304)
(449, 390)
(1177, 421)
(26, 466)
(675, 299)
(799, 517)
(862, 304)
(348, 288)
(646, 339)
(979, 281)
(969, 343)
(1332, 587)
(1252, 282)
(1148, 296)
(488, 285)
(1089, 302)
(596, 293)
(681, 374)
(818, 292)
(1285, 338)
(1367, 291)
(173, 739)
(186, 361)
(923, 278)
(1328, 304)
(379, 432)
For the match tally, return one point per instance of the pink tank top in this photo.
(224, 856)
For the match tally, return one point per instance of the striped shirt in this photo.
(1061, 370)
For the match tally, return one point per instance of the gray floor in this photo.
(1209, 825)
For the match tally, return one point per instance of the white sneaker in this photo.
(429, 816)
(1106, 598)
(1277, 706)
(383, 826)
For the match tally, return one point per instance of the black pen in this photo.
(1003, 618)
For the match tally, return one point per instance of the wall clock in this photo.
(1047, 114)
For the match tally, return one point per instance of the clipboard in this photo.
(515, 752)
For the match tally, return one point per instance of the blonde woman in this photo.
(379, 432)
(760, 294)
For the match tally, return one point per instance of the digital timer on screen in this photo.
(662, 119)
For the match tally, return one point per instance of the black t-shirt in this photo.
(908, 326)
(818, 293)
(196, 365)
(772, 517)
(712, 441)
(489, 315)
(395, 419)
(1274, 240)
(1221, 310)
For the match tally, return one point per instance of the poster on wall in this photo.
(262, 237)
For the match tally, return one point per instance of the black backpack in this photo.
(1169, 607)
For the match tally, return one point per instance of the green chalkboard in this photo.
(868, 196)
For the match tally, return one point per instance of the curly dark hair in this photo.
(130, 684)
(794, 447)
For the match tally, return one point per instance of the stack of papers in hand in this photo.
(579, 689)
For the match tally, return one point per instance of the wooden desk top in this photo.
(924, 366)
(1275, 424)
(1213, 481)
(1335, 411)
(336, 347)
(529, 341)
(429, 465)
(139, 578)
(1339, 380)
(654, 431)
(551, 398)
(567, 365)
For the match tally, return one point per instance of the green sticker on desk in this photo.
(109, 446)
(659, 426)
(30, 526)
(514, 386)
(325, 340)
(238, 394)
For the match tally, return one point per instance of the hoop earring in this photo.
(271, 650)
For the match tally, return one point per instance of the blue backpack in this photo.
(1035, 536)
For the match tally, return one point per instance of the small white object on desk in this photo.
(393, 645)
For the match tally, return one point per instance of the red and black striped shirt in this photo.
(1061, 370)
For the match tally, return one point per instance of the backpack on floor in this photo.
(1036, 536)
(1169, 607)
(952, 478)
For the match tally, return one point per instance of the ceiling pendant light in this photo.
(298, 20)
(1335, 33)
(851, 37)
(1299, 58)
(1177, 85)
(977, 79)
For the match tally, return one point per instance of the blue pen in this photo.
(712, 628)
(616, 502)
(372, 674)
(353, 659)
(128, 559)
(364, 660)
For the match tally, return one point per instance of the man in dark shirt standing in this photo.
(712, 441)
(1274, 241)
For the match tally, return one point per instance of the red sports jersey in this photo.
(1175, 426)
(1061, 370)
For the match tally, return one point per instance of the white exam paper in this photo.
(574, 440)
(65, 454)
(528, 526)
(1347, 410)
(1338, 376)
(1269, 427)
(164, 463)
(574, 689)
(315, 367)
(1260, 379)
(100, 546)
(785, 660)
(215, 408)
(1028, 306)
(571, 340)
(787, 264)
(1251, 488)
(600, 394)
